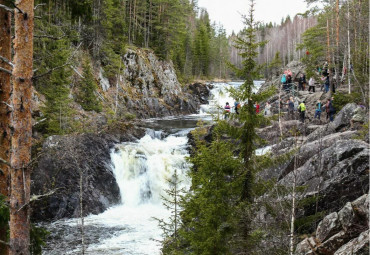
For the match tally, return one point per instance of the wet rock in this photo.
(62, 162)
(201, 90)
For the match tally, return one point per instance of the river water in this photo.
(142, 170)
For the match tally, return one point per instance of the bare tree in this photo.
(21, 124)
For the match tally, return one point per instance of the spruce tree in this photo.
(248, 119)
(88, 86)
(208, 207)
(170, 228)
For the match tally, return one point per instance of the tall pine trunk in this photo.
(5, 111)
(22, 129)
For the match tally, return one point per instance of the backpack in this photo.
(331, 108)
(296, 105)
(283, 79)
(319, 107)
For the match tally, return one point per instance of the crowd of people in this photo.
(293, 107)
(288, 82)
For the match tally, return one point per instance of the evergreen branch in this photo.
(7, 61)
(6, 71)
(4, 162)
(6, 8)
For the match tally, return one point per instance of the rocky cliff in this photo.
(148, 87)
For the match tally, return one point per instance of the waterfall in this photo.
(141, 169)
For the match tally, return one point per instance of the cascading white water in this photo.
(219, 96)
(142, 170)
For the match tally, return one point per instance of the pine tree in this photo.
(21, 125)
(86, 96)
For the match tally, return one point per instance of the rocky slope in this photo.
(331, 170)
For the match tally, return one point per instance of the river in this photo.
(141, 169)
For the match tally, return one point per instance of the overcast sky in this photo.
(228, 12)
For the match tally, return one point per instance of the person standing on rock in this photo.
(267, 111)
(311, 85)
(318, 109)
(257, 106)
(227, 110)
(236, 106)
(291, 108)
(302, 111)
(301, 82)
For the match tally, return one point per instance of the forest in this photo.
(59, 52)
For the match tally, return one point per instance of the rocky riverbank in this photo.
(64, 160)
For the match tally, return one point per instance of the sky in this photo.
(228, 12)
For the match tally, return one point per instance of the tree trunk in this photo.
(22, 129)
(5, 110)
(349, 52)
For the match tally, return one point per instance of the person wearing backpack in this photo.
(236, 106)
(283, 81)
(302, 111)
(318, 109)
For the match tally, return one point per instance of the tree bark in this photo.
(5, 110)
(22, 128)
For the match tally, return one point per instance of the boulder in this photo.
(357, 246)
(345, 232)
(327, 227)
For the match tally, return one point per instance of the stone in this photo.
(305, 247)
(333, 243)
(346, 216)
(357, 246)
(329, 226)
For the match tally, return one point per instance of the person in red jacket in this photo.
(257, 106)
